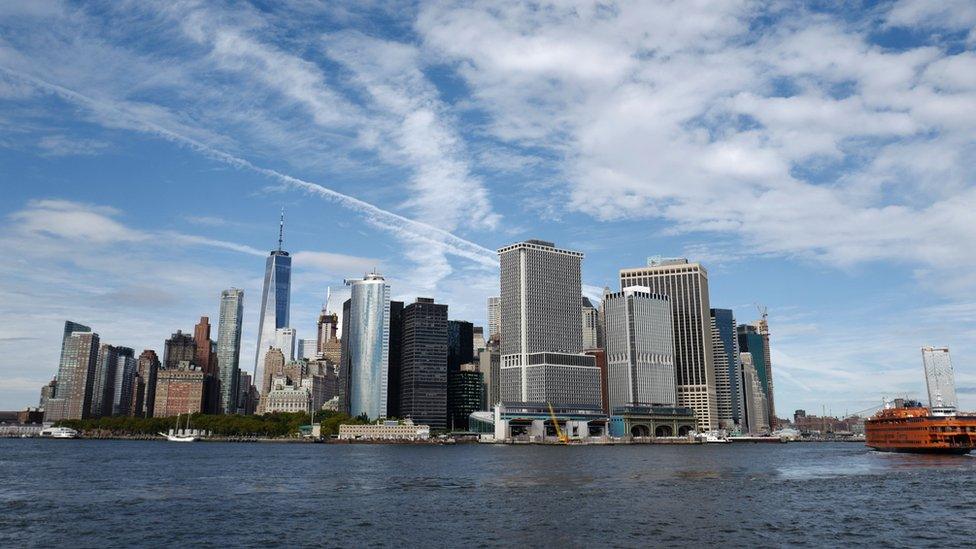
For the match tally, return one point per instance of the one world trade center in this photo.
(274, 301)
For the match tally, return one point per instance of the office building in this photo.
(181, 390)
(284, 395)
(494, 317)
(423, 366)
(144, 399)
(49, 390)
(275, 299)
(178, 348)
(229, 326)
(103, 383)
(76, 376)
(285, 339)
(489, 363)
(600, 359)
(541, 339)
(307, 349)
(125, 373)
(686, 284)
(754, 340)
(728, 385)
(640, 348)
(247, 394)
(755, 411)
(478, 342)
(464, 396)
(940, 380)
(394, 357)
(590, 324)
(205, 348)
(364, 370)
(460, 344)
(273, 365)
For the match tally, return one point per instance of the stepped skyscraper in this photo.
(275, 300)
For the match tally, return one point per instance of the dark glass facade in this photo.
(460, 341)
(396, 346)
(424, 363)
(464, 392)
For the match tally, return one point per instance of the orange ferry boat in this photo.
(911, 427)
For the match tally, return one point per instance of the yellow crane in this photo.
(559, 432)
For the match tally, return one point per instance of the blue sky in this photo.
(818, 162)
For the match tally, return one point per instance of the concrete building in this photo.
(364, 370)
(533, 422)
(103, 381)
(329, 346)
(494, 317)
(386, 430)
(940, 380)
(464, 396)
(489, 364)
(600, 358)
(275, 301)
(76, 376)
(728, 381)
(229, 328)
(178, 348)
(640, 348)
(181, 390)
(755, 411)
(144, 394)
(754, 340)
(591, 324)
(307, 349)
(478, 342)
(247, 394)
(286, 396)
(686, 284)
(541, 342)
(206, 352)
(274, 363)
(424, 363)
(48, 391)
(285, 339)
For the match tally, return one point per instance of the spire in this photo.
(281, 228)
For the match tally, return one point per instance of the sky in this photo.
(817, 161)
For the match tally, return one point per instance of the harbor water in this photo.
(106, 493)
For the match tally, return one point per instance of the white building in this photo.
(386, 430)
(939, 380)
(494, 316)
(687, 286)
(640, 348)
(756, 413)
(285, 340)
(286, 397)
(307, 349)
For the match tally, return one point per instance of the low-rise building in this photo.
(386, 430)
(285, 396)
(652, 421)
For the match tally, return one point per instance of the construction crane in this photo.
(559, 432)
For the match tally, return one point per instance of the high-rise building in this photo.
(686, 284)
(274, 364)
(640, 348)
(125, 373)
(460, 344)
(329, 346)
(229, 326)
(478, 342)
(494, 316)
(489, 363)
(939, 380)
(599, 355)
(590, 324)
(147, 370)
(204, 354)
(181, 390)
(307, 349)
(541, 339)
(103, 384)
(179, 347)
(275, 299)
(394, 357)
(755, 408)
(728, 382)
(247, 394)
(464, 392)
(70, 328)
(48, 391)
(423, 366)
(76, 376)
(285, 339)
(754, 339)
(363, 379)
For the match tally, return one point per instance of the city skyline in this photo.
(847, 253)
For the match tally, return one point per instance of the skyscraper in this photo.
(939, 380)
(125, 373)
(494, 316)
(590, 324)
(687, 286)
(464, 392)
(728, 381)
(229, 347)
(76, 376)
(274, 300)
(541, 339)
(204, 354)
(394, 357)
(274, 364)
(177, 348)
(753, 398)
(478, 341)
(306, 349)
(640, 348)
(147, 371)
(285, 340)
(754, 339)
(460, 344)
(329, 346)
(365, 348)
(423, 366)
(103, 383)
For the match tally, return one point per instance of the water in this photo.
(121, 493)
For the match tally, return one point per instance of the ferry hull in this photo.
(915, 430)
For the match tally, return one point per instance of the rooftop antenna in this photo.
(281, 228)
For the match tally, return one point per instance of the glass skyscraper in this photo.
(728, 382)
(229, 346)
(364, 378)
(939, 380)
(275, 300)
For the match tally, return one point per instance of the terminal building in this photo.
(652, 421)
(533, 422)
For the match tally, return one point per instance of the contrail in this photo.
(383, 219)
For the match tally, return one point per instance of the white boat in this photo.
(59, 432)
(715, 437)
(181, 435)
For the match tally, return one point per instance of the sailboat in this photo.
(176, 435)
